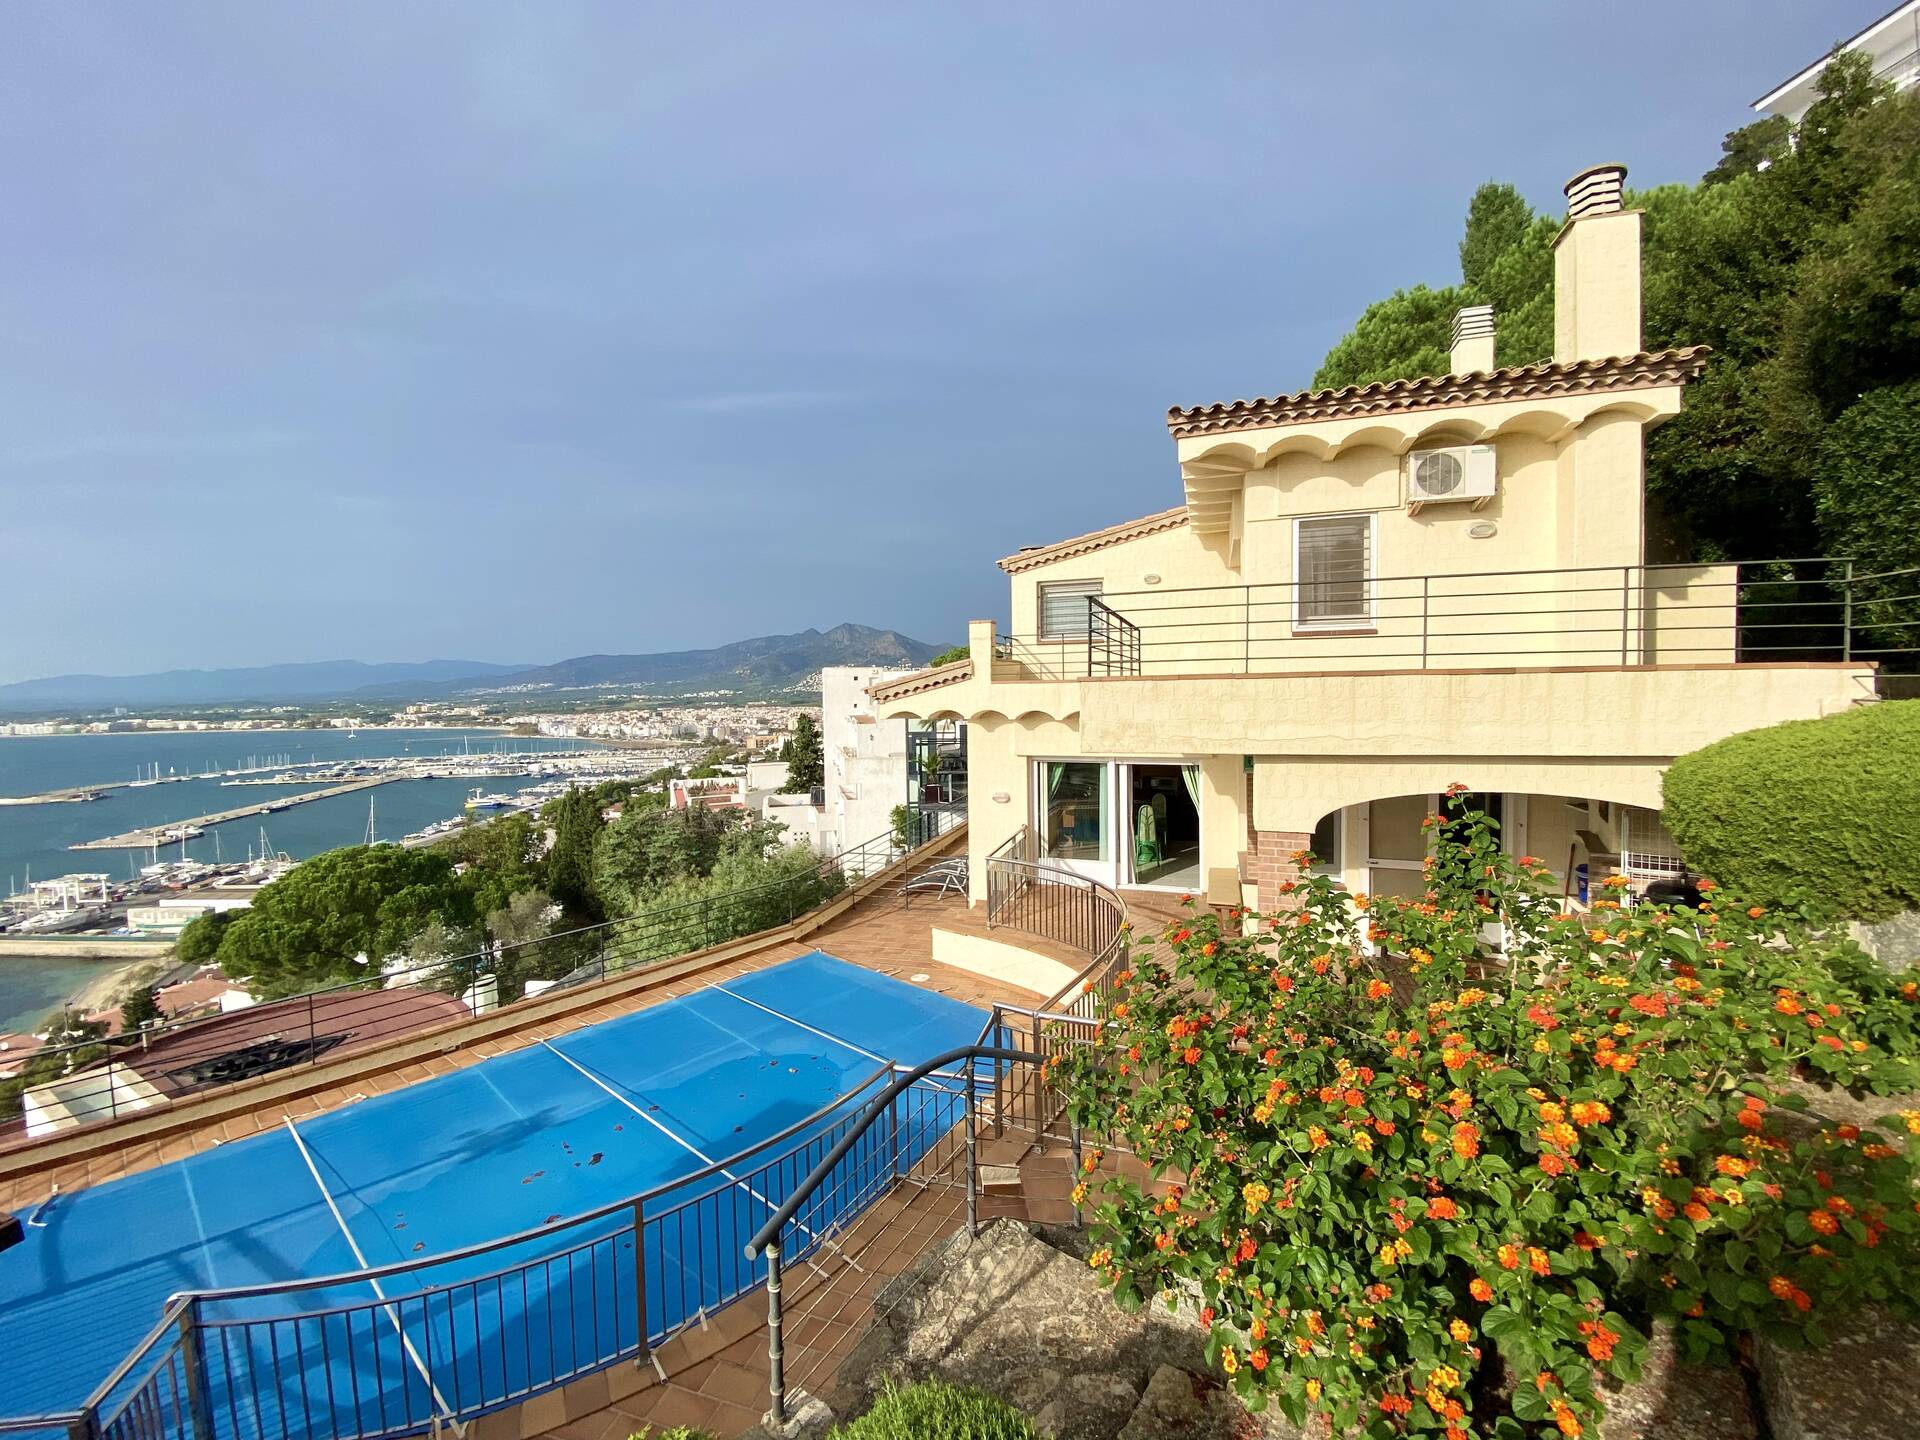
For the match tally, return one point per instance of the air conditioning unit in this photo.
(1458, 472)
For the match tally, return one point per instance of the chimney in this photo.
(1472, 340)
(1596, 270)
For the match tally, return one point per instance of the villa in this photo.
(663, 1172)
(1368, 594)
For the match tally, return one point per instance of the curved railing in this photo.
(769, 1241)
(397, 1349)
(392, 1350)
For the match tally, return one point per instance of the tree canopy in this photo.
(1797, 260)
(806, 763)
(336, 916)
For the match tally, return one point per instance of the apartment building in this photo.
(1366, 595)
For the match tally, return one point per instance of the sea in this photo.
(34, 838)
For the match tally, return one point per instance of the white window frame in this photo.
(1334, 865)
(1092, 589)
(1364, 621)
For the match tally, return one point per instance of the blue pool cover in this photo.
(513, 1143)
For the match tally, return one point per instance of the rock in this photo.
(1894, 942)
(1181, 1404)
(1673, 1400)
(1022, 1319)
(1863, 1384)
(1086, 1407)
(808, 1418)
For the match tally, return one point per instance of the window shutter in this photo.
(1335, 566)
(1063, 608)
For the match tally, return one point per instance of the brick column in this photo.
(1267, 862)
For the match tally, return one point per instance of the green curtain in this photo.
(1191, 774)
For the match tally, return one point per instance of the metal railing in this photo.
(104, 1079)
(1041, 898)
(399, 1349)
(392, 1350)
(1113, 641)
(1811, 609)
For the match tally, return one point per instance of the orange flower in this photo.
(1590, 1112)
(1823, 1222)
(1442, 1208)
(1378, 989)
(1466, 1140)
(1480, 1290)
(1696, 1212)
(1537, 1259)
(1509, 1257)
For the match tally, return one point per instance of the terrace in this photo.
(703, 1368)
(1349, 619)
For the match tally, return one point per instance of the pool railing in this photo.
(101, 1080)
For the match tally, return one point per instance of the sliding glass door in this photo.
(1073, 801)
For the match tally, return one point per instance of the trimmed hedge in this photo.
(935, 1410)
(1823, 813)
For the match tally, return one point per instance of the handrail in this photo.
(769, 1232)
(766, 1241)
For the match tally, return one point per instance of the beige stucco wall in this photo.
(1568, 713)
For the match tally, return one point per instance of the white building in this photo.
(1892, 43)
(866, 756)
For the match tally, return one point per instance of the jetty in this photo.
(157, 835)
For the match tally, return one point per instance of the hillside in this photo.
(254, 683)
(765, 662)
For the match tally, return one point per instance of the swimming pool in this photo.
(646, 1105)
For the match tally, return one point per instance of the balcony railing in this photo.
(1619, 615)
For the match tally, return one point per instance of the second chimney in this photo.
(1472, 340)
(1596, 270)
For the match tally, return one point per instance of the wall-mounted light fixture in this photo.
(1000, 797)
(1151, 579)
(1483, 530)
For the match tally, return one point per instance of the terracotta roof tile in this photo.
(1095, 540)
(900, 687)
(1430, 392)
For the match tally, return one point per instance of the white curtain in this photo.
(1191, 774)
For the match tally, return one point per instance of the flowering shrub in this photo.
(1426, 1181)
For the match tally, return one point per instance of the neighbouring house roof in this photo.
(1433, 392)
(1094, 540)
(904, 685)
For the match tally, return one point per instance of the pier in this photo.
(152, 836)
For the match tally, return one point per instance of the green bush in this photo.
(938, 1411)
(1824, 813)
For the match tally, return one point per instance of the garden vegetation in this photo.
(1436, 1164)
(1823, 814)
(1797, 259)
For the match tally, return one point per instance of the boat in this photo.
(478, 801)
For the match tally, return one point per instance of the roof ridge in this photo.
(1033, 555)
(1684, 362)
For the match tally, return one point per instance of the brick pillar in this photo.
(1267, 862)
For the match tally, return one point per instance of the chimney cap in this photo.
(1470, 321)
(1596, 190)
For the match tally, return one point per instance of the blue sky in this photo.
(518, 331)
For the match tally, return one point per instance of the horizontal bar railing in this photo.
(396, 1349)
(98, 1080)
(390, 1350)
(1807, 609)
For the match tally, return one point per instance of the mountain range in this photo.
(766, 662)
